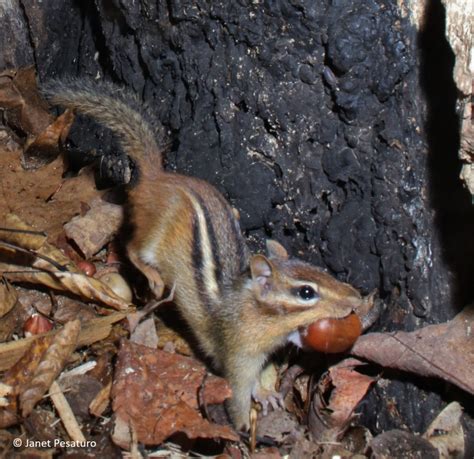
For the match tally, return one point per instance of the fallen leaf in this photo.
(26, 109)
(446, 433)
(17, 232)
(145, 334)
(8, 297)
(96, 228)
(155, 394)
(19, 375)
(70, 309)
(35, 301)
(52, 362)
(42, 198)
(328, 421)
(279, 425)
(91, 332)
(80, 390)
(12, 322)
(444, 350)
(45, 147)
(54, 269)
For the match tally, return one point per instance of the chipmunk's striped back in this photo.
(187, 232)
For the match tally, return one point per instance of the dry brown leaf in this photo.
(46, 146)
(13, 322)
(69, 309)
(8, 297)
(444, 350)
(51, 364)
(446, 433)
(279, 425)
(145, 334)
(92, 331)
(80, 390)
(96, 228)
(19, 375)
(24, 236)
(155, 393)
(328, 420)
(91, 288)
(77, 283)
(48, 260)
(42, 198)
(26, 109)
(16, 273)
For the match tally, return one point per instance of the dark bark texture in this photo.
(319, 120)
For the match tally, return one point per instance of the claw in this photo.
(268, 397)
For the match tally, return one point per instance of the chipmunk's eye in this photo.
(306, 293)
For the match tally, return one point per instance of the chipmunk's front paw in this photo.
(265, 393)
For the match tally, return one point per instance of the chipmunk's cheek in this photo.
(332, 335)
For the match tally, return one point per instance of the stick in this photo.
(65, 413)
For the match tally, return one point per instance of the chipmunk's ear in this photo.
(276, 250)
(261, 269)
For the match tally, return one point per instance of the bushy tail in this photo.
(117, 109)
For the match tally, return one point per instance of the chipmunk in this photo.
(240, 307)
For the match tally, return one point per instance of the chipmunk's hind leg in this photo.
(155, 281)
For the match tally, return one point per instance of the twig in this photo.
(101, 401)
(23, 231)
(65, 413)
(135, 318)
(34, 254)
(253, 430)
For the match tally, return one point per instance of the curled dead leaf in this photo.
(16, 231)
(329, 420)
(51, 364)
(18, 377)
(55, 270)
(8, 297)
(26, 109)
(45, 147)
(96, 228)
(443, 350)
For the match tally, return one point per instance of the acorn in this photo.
(118, 285)
(37, 324)
(87, 267)
(332, 336)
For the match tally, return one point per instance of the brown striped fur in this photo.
(185, 234)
